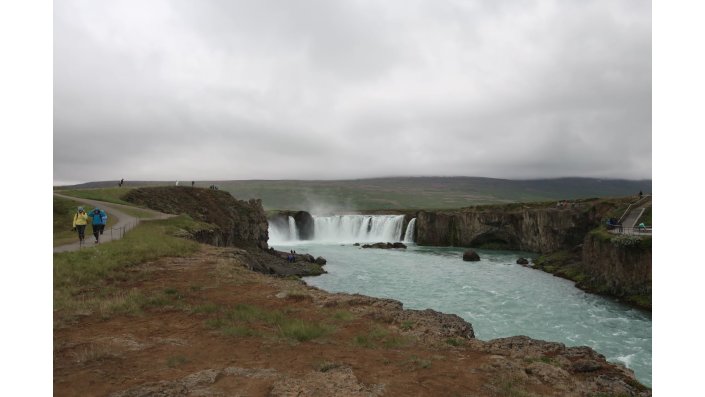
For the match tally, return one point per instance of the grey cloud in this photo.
(319, 89)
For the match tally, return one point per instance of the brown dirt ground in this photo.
(169, 349)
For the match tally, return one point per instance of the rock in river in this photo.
(471, 255)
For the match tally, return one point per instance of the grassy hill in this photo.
(406, 192)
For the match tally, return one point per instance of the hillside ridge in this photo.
(406, 192)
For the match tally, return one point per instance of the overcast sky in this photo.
(320, 89)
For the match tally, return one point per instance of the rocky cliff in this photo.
(619, 266)
(237, 222)
(569, 237)
(537, 228)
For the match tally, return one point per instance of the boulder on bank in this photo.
(321, 260)
(273, 262)
(522, 261)
(585, 365)
(471, 256)
(384, 245)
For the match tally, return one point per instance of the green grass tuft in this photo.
(242, 319)
(327, 366)
(343, 315)
(419, 362)
(175, 361)
(238, 330)
(379, 336)
(216, 323)
(407, 325)
(206, 308)
(301, 330)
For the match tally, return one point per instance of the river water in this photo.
(498, 297)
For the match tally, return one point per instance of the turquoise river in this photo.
(497, 296)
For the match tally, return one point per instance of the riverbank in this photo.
(205, 324)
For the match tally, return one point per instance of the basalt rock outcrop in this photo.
(384, 245)
(618, 268)
(304, 224)
(237, 222)
(471, 256)
(577, 371)
(275, 262)
(516, 227)
(567, 235)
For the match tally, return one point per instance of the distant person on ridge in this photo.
(641, 194)
(121, 182)
(97, 223)
(80, 219)
(193, 183)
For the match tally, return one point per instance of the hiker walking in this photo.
(641, 194)
(121, 182)
(80, 219)
(98, 224)
(104, 219)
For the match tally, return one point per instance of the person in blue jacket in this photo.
(100, 218)
(104, 218)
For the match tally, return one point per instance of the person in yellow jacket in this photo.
(80, 220)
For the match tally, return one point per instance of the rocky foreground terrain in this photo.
(213, 327)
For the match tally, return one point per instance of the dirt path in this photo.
(125, 223)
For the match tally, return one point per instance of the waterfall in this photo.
(409, 236)
(341, 229)
(293, 233)
(279, 232)
(358, 228)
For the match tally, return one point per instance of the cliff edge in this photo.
(239, 223)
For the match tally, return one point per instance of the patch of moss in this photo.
(601, 234)
(572, 272)
(640, 300)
